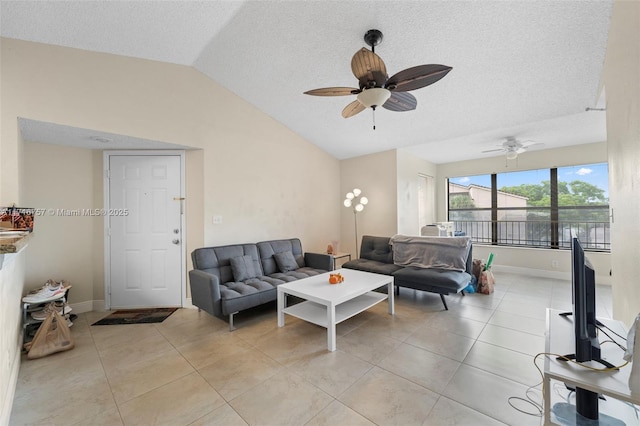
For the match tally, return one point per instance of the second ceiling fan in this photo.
(511, 147)
(376, 88)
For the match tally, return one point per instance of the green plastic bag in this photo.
(487, 266)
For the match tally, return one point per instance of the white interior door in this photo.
(144, 231)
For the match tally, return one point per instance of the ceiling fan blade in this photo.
(333, 91)
(416, 77)
(368, 67)
(400, 101)
(532, 145)
(493, 150)
(352, 109)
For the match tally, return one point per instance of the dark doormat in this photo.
(136, 316)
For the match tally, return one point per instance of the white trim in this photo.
(86, 306)
(106, 155)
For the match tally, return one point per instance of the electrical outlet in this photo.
(554, 264)
(217, 219)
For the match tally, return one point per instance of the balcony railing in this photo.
(594, 236)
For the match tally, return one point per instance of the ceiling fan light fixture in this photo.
(374, 97)
(511, 155)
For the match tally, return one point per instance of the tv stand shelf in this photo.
(560, 340)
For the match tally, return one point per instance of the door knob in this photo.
(176, 231)
(176, 241)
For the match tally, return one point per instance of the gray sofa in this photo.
(376, 255)
(228, 279)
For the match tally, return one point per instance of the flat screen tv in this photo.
(584, 305)
(587, 346)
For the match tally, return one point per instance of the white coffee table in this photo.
(329, 304)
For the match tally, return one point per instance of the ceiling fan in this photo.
(512, 147)
(376, 88)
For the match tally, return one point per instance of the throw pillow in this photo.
(242, 268)
(286, 262)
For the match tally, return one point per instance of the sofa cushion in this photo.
(242, 268)
(217, 260)
(297, 274)
(237, 296)
(372, 266)
(267, 250)
(285, 261)
(376, 248)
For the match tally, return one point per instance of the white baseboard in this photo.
(7, 404)
(82, 307)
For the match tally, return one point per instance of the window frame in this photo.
(556, 240)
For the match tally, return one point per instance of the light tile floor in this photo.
(423, 366)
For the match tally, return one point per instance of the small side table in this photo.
(336, 256)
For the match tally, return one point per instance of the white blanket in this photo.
(431, 252)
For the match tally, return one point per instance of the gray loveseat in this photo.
(376, 255)
(228, 279)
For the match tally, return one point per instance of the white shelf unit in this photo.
(317, 313)
(617, 408)
(26, 318)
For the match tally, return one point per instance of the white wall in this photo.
(538, 262)
(11, 279)
(622, 80)
(408, 180)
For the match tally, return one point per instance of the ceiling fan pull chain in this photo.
(374, 118)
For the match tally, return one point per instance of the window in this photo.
(535, 208)
(470, 206)
(583, 205)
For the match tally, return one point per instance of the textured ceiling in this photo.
(520, 68)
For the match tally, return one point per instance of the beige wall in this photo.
(266, 181)
(376, 176)
(622, 81)
(62, 246)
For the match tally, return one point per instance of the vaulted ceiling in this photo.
(526, 69)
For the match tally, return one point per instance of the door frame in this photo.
(106, 157)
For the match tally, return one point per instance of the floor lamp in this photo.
(352, 200)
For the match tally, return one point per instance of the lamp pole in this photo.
(351, 199)
(355, 225)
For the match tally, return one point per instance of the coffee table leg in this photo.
(281, 297)
(331, 327)
(390, 298)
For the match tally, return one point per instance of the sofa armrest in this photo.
(469, 269)
(319, 261)
(205, 291)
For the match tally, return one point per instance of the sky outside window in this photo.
(594, 174)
